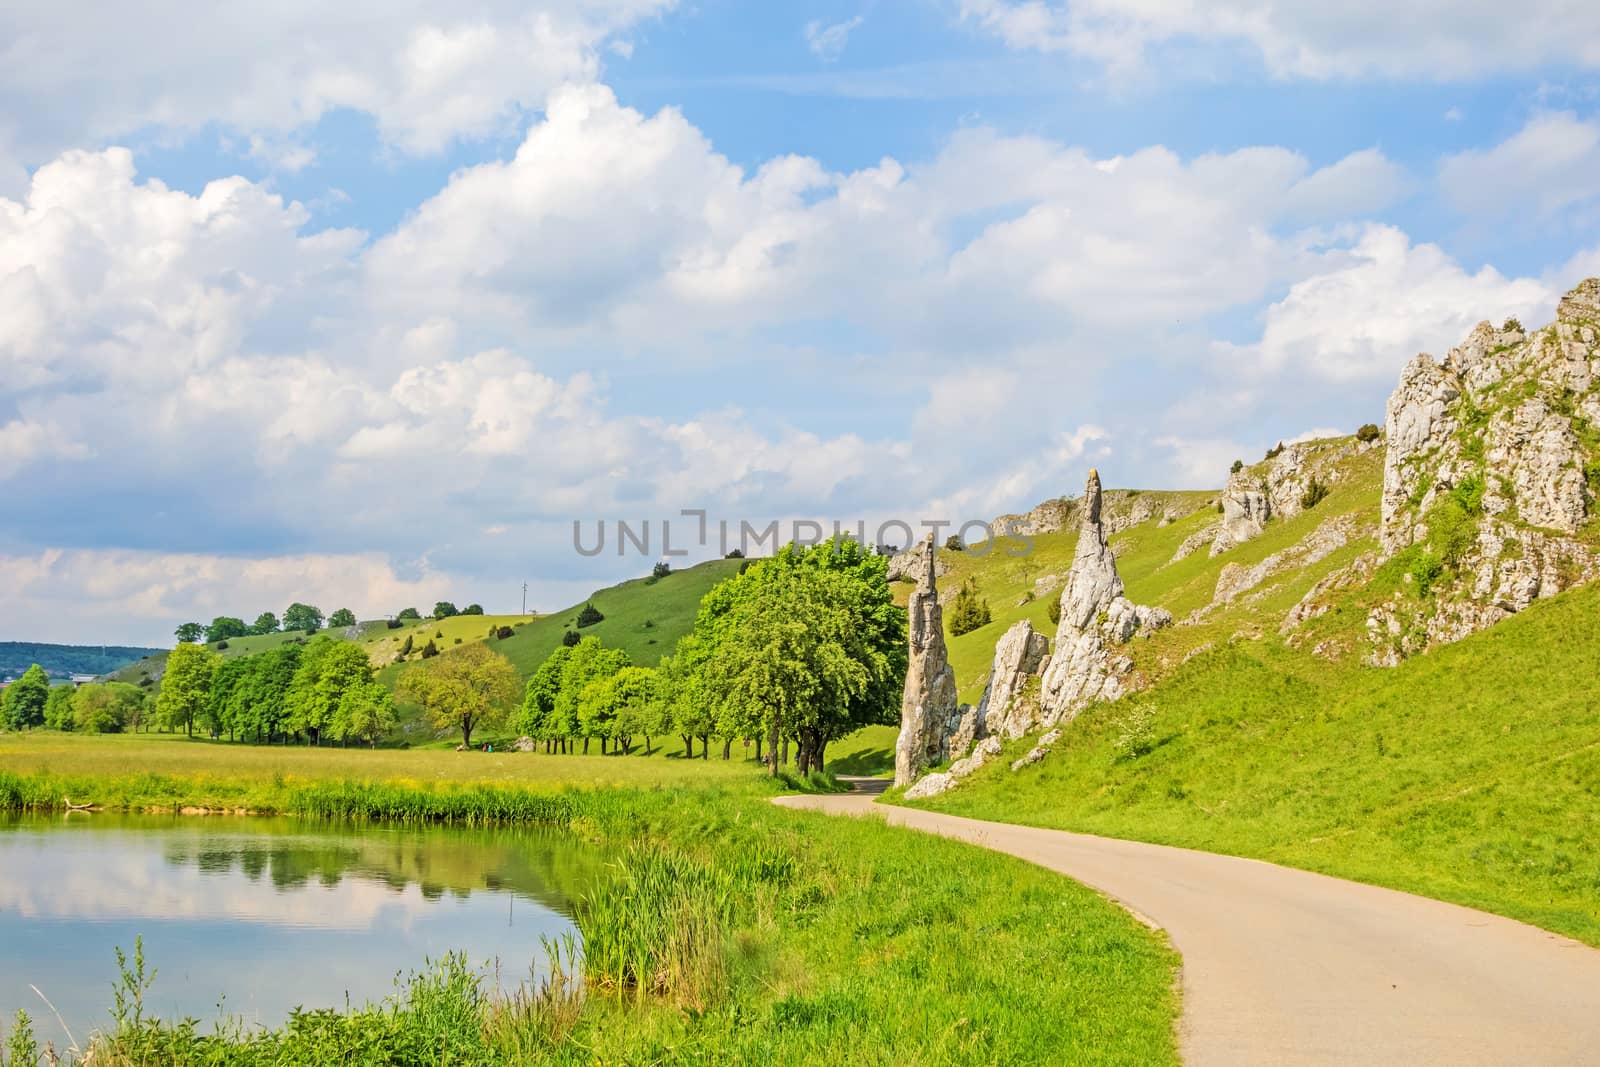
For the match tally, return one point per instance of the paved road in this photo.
(1284, 967)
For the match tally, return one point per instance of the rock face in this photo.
(1095, 619)
(913, 561)
(1007, 708)
(933, 784)
(929, 702)
(1275, 487)
(1490, 475)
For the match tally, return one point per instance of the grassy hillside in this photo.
(60, 661)
(1471, 773)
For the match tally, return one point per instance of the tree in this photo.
(25, 699)
(471, 687)
(1368, 432)
(409, 613)
(260, 701)
(737, 553)
(472, 609)
(430, 649)
(589, 616)
(106, 708)
(342, 617)
(266, 623)
(968, 611)
(589, 661)
(230, 675)
(661, 569)
(534, 718)
(444, 609)
(366, 713)
(406, 646)
(224, 628)
(298, 616)
(58, 708)
(328, 669)
(618, 706)
(1238, 465)
(570, 638)
(835, 662)
(189, 633)
(186, 686)
(953, 544)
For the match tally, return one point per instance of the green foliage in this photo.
(968, 611)
(409, 614)
(444, 610)
(186, 687)
(1136, 735)
(106, 708)
(661, 569)
(472, 609)
(471, 687)
(406, 646)
(1236, 466)
(735, 554)
(366, 712)
(570, 638)
(328, 670)
(1368, 432)
(589, 616)
(1511, 325)
(1316, 492)
(1275, 451)
(224, 627)
(189, 633)
(298, 616)
(429, 650)
(953, 544)
(1054, 610)
(58, 708)
(23, 701)
(1591, 476)
(21, 1049)
(266, 623)
(342, 617)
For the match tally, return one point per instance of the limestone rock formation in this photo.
(1095, 619)
(932, 785)
(909, 565)
(1490, 476)
(1007, 709)
(929, 701)
(1275, 487)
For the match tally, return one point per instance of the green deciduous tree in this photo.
(266, 623)
(225, 628)
(298, 616)
(409, 613)
(342, 617)
(589, 616)
(58, 708)
(968, 611)
(535, 717)
(328, 669)
(589, 661)
(260, 702)
(106, 708)
(186, 686)
(472, 609)
(189, 633)
(444, 610)
(365, 713)
(470, 687)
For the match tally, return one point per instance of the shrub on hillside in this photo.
(953, 544)
(430, 650)
(570, 638)
(661, 569)
(1275, 451)
(504, 632)
(1316, 492)
(968, 611)
(472, 609)
(1368, 432)
(1055, 610)
(220, 645)
(735, 554)
(1238, 465)
(1512, 325)
(394, 624)
(589, 616)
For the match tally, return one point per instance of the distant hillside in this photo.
(61, 661)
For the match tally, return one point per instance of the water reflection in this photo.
(265, 914)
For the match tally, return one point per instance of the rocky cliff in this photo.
(928, 704)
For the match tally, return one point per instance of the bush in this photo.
(1055, 611)
(1316, 492)
(405, 647)
(430, 650)
(472, 609)
(504, 632)
(735, 554)
(953, 544)
(661, 569)
(1368, 432)
(570, 638)
(1238, 465)
(1275, 451)
(589, 616)
(1137, 736)
(394, 624)
(968, 611)
(409, 613)
(220, 645)
(1425, 569)
(1511, 325)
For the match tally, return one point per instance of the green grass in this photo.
(1470, 774)
(728, 931)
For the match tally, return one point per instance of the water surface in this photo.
(250, 917)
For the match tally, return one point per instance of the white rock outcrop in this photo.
(1008, 708)
(928, 704)
(1095, 619)
(932, 785)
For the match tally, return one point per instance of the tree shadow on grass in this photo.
(868, 761)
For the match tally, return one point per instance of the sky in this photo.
(366, 304)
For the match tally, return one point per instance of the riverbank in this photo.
(729, 932)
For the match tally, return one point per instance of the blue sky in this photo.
(366, 305)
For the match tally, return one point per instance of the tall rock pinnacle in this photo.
(930, 694)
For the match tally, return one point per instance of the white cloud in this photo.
(1389, 300)
(428, 71)
(1435, 40)
(1454, 114)
(1548, 165)
(827, 40)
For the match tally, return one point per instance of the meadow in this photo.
(726, 931)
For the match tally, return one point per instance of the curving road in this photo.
(1284, 967)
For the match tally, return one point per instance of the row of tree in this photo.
(31, 702)
(297, 616)
(323, 691)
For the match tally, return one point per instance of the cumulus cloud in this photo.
(428, 71)
(1547, 166)
(1426, 39)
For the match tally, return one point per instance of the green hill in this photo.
(60, 661)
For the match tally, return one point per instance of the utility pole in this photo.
(524, 598)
